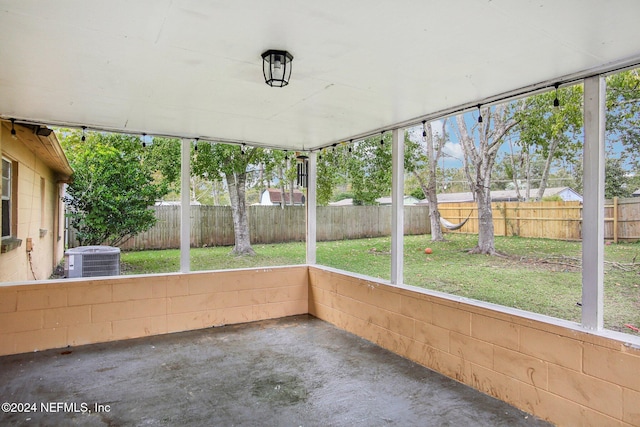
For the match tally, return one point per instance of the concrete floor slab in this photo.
(295, 371)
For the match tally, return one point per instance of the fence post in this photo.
(615, 220)
(504, 216)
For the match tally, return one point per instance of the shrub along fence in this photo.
(213, 225)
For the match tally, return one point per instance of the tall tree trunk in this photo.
(478, 163)
(474, 163)
(291, 186)
(486, 243)
(215, 193)
(236, 184)
(192, 189)
(261, 179)
(528, 165)
(434, 213)
(430, 190)
(282, 188)
(514, 173)
(547, 168)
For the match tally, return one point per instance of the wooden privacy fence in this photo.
(552, 220)
(622, 219)
(213, 225)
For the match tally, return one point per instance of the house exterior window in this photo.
(9, 239)
(7, 192)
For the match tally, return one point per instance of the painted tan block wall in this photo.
(558, 373)
(15, 265)
(57, 314)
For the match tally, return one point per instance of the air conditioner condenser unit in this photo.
(92, 261)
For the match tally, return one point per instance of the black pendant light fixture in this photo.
(479, 114)
(84, 138)
(276, 67)
(556, 102)
(13, 129)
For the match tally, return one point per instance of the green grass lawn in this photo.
(539, 275)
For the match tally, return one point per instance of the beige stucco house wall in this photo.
(35, 170)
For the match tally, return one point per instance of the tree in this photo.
(623, 113)
(369, 169)
(208, 192)
(617, 181)
(363, 166)
(287, 175)
(553, 133)
(454, 180)
(163, 155)
(332, 171)
(112, 188)
(480, 146)
(548, 131)
(415, 156)
(231, 163)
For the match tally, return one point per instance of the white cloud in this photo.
(453, 150)
(436, 127)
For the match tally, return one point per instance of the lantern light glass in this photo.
(276, 67)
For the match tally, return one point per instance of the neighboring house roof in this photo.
(408, 200)
(176, 203)
(453, 198)
(343, 202)
(636, 193)
(566, 193)
(44, 143)
(275, 197)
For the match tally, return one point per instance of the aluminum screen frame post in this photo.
(311, 207)
(397, 206)
(593, 203)
(185, 206)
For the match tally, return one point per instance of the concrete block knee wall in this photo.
(558, 373)
(73, 312)
(551, 369)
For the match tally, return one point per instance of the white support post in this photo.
(185, 206)
(397, 206)
(593, 203)
(311, 207)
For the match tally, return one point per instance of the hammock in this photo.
(451, 226)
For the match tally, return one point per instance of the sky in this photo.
(453, 152)
(452, 149)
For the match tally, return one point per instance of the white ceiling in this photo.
(192, 68)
